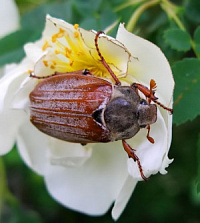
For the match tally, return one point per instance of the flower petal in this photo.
(68, 154)
(10, 119)
(151, 64)
(123, 197)
(114, 53)
(33, 51)
(32, 146)
(94, 186)
(69, 49)
(150, 155)
(9, 14)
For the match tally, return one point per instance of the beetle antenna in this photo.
(103, 60)
(131, 154)
(150, 94)
(166, 108)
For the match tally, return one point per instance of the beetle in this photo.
(81, 108)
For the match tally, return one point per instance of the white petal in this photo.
(33, 52)
(113, 51)
(166, 160)
(10, 119)
(21, 99)
(123, 197)
(94, 186)
(151, 64)
(9, 17)
(151, 155)
(33, 145)
(68, 154)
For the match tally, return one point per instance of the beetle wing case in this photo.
(62, 106)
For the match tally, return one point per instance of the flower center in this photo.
(69, 53)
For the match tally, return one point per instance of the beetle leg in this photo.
(148, 136)
(41, 77)
(103, 60)
(150, 94)
(132, 155)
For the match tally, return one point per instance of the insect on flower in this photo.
(81, 108)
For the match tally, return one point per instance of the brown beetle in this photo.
(81, 108)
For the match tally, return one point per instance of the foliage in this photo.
(175, 28)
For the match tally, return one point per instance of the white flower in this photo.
(9, 13)
(87, 179)
(9, 17)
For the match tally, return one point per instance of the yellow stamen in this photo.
(76, 26)
(52, 66)
(46, 45)
(57, 51)
(71, 62)
(45, 63)
(76, 34)
(60, 34)
(68, 50)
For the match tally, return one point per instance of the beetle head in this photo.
(147, 113)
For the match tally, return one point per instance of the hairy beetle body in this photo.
(78, 107)
(85, 109)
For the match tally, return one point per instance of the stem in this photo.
(171, 11)
(5, 194)
(137, 13)
(2, 184)
(127, 4)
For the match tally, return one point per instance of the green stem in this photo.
(171, 10)
(128, 4)
(137, 13)
(5, 194)
(2, 184)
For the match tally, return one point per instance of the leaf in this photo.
(187, 90)
(12, 46)
(192, 10)
(197, 39)
(198, 158)
(12, 214)
(36, 18)
(87, 8)
(177, 39)
(107, 18)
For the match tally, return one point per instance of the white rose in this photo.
(87, 179)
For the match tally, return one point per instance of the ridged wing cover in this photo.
(62, 106)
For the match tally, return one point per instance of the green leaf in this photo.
(89, 23)
(177, 39)
(17, 214)
(192, 10)
(187, 90)
(197, 39)
(107, 18)
(36, 18)
(12, 46)
(198, 158)
(87, 8)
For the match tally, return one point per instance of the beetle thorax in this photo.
(124, 115)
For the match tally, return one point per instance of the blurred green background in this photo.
(175, 29)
